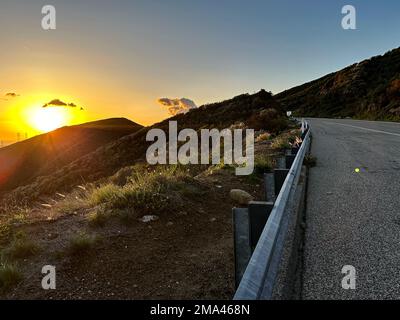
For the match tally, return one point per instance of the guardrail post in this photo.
(280, 163)
(241, 241)
(303, 135)
(279, 179)
(269, 187)
(289, 158)
(295, 150)
(259, 212)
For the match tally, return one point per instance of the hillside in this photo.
(137, 219)
(127, 150)
(366, 90)
(42, 155)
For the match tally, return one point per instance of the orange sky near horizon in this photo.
(25, 115)
(117, 58)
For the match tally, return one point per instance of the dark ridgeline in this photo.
(367, 90)
(258, 110)
(22, 162)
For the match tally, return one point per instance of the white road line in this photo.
(373, 130)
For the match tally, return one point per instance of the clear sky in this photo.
(116, 58)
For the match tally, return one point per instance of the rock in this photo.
(52, 236)
(240, 196)
(149, 218)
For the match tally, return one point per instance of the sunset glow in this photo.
(48, 119)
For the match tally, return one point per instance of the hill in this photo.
(366, 90)
(259, 111)
(42, 155)
(137, 219)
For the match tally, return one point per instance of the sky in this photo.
(117, 58)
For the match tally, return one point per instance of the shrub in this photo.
(108, 193)
(9, 275)
(263, 137)
(263, 164)
(21, 247)
(310, 161)
(81, 243)
(281, 142)
(268, 119)
(72, 204)
(145, 191)
(98, 217)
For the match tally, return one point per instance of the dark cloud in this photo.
(12, 95)
(59, 103)
(177, 106)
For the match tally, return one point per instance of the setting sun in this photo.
(48, 119)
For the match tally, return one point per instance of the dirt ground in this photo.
(184, 255)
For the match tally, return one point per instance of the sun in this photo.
(49, 119)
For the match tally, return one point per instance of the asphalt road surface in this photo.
(353, 218)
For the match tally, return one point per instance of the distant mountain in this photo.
(366, 90)
(259, 111)
(43, 155)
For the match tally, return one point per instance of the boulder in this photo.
(240, 196)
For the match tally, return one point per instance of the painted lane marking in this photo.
(367, 129)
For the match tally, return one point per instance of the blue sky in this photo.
(124, 55)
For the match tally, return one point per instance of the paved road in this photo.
(353, 218)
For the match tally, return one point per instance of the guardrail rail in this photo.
(260, 274)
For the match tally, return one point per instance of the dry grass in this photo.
(145, 192)
(263, 163)
(81, 243)
(20, 248)
(286, 140)
(263, 137)
(9, 275)
(98, 217)
(310, 161)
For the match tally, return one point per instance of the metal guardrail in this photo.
(259, 277)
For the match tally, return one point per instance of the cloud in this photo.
(59, 103)
(177, 106)
(11, 95)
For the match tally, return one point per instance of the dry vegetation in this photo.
(367, 90)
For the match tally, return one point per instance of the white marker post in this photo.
(302, 126)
